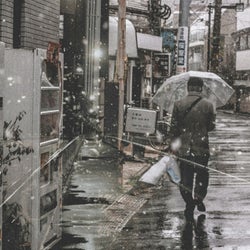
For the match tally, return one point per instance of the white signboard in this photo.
(140, 120)
(181, 65)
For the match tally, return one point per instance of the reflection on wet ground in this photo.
(73, 199)
(94, 185)
(196, 231)
(68, 239)
(160, 222)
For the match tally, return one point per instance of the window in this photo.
(238, 43)
(243, 42)
(48, 202)
(49, 126)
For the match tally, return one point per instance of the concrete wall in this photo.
(39, 22)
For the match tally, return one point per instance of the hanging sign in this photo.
(182, 49)
(140, 120)
(162, 64)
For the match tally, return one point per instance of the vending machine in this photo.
(32, 184)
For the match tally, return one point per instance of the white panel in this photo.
(243, 19)
(140, 120)
(111, 70)
(18, 97)
(149, 42)
(243, 60)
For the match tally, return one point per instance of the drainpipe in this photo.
(216, 37)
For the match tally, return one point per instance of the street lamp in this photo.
(239, 7)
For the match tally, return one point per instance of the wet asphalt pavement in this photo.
(98, 214)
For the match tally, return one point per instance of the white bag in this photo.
(165, 165)
(153, 175)
(173, 170)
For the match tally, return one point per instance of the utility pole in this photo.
(120, 66)
(209, 37)
(213, 60)
(182, 37)
(216, 36)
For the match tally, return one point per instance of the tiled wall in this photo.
(39, 22)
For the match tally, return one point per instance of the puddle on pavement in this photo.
(73, 199)
(69, 240)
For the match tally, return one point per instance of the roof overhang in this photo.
(131, 43)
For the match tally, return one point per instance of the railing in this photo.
(69, 153)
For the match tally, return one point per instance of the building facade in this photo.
(29, 24)
(84, 42)
(200, 44)
(146, 24)
(242, 47)
(143, 43)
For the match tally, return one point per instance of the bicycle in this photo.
(160, 139)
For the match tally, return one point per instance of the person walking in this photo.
(192, 118)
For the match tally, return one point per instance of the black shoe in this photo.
(201, 207)
(200, 230)
(201, 220)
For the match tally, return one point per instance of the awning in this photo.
(149, 42)
(131, 44)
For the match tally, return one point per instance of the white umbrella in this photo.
(174, 88)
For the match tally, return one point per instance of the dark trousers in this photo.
(200, 183)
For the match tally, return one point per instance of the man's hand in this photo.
(175, 145)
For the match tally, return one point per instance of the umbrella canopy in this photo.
(174, 88)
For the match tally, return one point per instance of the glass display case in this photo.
(50, 101)
(44, 172)
(49, 126)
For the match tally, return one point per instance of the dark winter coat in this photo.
(193, 127)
